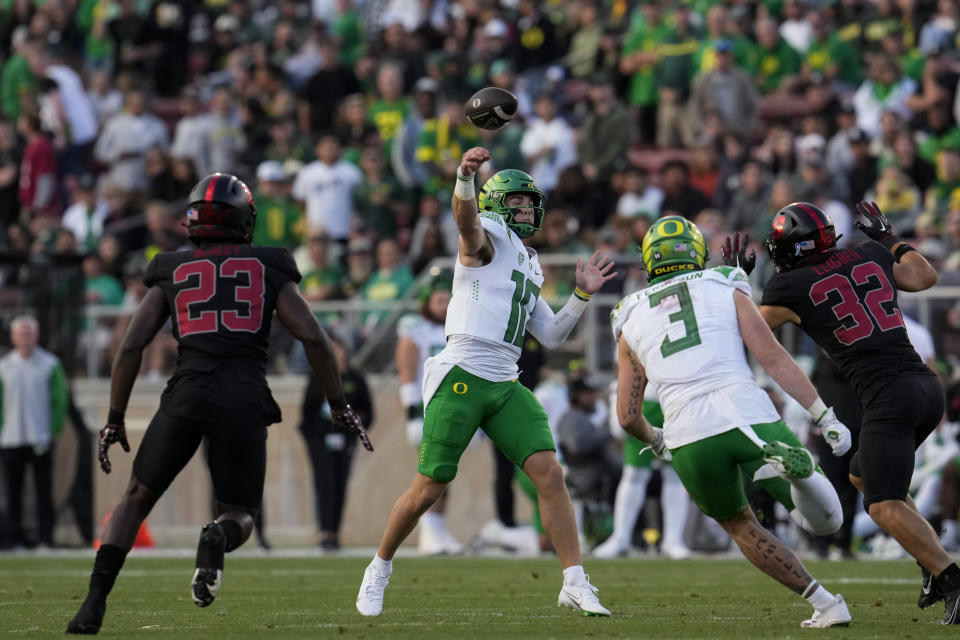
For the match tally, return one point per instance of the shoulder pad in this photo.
(620, 313)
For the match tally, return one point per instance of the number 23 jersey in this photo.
(848, 304)
(685, 333)
(221, 300)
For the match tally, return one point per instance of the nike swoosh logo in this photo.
(574, 598)
(925, 587)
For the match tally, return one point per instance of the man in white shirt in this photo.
(84, 218)
(548, 144)
(325, 188)
(125, 140)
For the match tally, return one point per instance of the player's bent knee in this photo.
(882, 510)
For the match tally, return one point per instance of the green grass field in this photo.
(490, 598)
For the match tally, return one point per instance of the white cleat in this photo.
(451, 546)
(370, 598)
(836, 615)
(676, 551)
(582, 597)
(612, 548)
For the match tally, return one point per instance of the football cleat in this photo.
(611, 548)
(928, 594)
(790, 463)
(370, 598)
(948, 588)
(836, 615)
(89, 619)
(208, 574)
(582, 597)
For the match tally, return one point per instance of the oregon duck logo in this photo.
(460, 388)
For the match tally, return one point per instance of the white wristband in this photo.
(410, 394)
(817, 409)
(464, 189)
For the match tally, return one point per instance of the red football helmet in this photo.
(221, 208)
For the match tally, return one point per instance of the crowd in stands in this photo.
(346, 118)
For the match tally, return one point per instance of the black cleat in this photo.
(89, 619)
(948, 588)
(209, 569)
(929, 596)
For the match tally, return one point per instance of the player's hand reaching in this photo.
(835, 433)
(734, 253)
(659, 445)
(591, 276)
(471, 160)
(110, 434)
(872, 222)
(349, 420)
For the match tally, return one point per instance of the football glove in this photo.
(110, 434)
(835, 433)
(874, 224)
(349, 420)
(734, 253)
(415, 431)
(658, 446)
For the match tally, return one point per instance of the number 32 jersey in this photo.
(848, 304)
(685, 333)
(221, 300)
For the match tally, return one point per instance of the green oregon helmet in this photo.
(672, 245)
(441, 280)
(495, 191)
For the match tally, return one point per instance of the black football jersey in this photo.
(848, 304)
(221, 300)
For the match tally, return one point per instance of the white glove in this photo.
(659, 446)
(415, 431)
(835, 433)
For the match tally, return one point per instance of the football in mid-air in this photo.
(491, 108)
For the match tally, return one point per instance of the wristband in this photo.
(410, 394)
(337, 404)
(464, 189)
(901, 250)
(582, 295)
(414, 412)
(115, 417)
(817, 409)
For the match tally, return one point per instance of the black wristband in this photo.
(889, 240)
(901, 250)
(115, 417)
(337, 404)
(414, 412)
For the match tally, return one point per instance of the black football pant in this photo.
(331, 453)
(14, 462)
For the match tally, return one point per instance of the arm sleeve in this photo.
(58, 400)
(551, 330)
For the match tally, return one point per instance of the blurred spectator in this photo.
(389, 282)
(390, 107)
(432, 246)
(280, 221)
(359, 266)
(322, 278)
(896, 196)
(674, 72)
(941, 132)
(84, 218)
(189, 133)
(38, 171)
(442, 141)
(548, 143)
(10, 157)
(679, 197)
(321, 93)
(862, 172)
(640, 198)
(221, 139)
(920, 171)
(936, 31)
(159, 171)
(775, 63)
(17, 83)
(329, 447)
(750, 203)
(944, 196)
(34, 395)
(166, 234)
(124, 222)
(839, 156)
(639, 60)
(125, 140)
(726, 90)
(602, 141)
(704, 168)
(286, 143)
(830, 55)
(585, 41)
(353, 128)
(431, 213)
(403, 161)
(99, 287)
(324, 188)
(378, 200)
(796, 28)
(886, 89)
(717, 23)
(536, 44)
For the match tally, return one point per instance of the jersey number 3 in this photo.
(850, 305)
(684, 314)
(251, 295)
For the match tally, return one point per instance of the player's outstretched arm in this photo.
(146, 322)
(295, 314)
(911, 271)
(474, 245)
(631, 383)
(552, 329)
(775, 360)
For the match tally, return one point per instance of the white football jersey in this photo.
(428, 336)
(494, 302)
(685, 333)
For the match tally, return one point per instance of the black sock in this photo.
(233, 532)
(105, 569)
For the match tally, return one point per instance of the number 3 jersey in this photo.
(221, 300)
(685, 333)
(848, 304)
